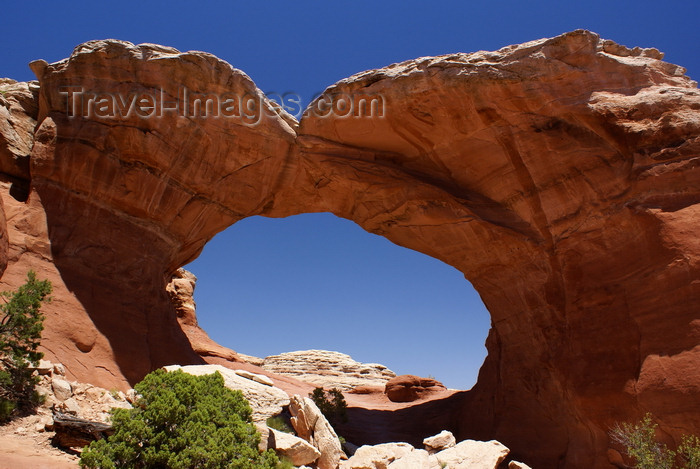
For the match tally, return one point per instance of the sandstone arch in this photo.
(561, 176)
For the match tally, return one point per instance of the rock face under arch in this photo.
(562, 176)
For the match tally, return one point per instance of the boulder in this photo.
(470, 454)
(265, 400)
(408, 388)
(44, 367)
(94, 393)
(312, 426)
(264, 431)
(297, 450)
(59, 369)
(417, 459)
(258, 378)
(377, 456)
(328, 369)
(70, 406)
(518, 465)
(442, 440)
(61, 388)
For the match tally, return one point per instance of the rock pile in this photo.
(440, 452)
(39, 436)
(315, 444)
(437, 443)
(77, 399)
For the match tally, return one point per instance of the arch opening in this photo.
(316, 281)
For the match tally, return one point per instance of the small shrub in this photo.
(331, 404)
(6, 409)
(639, 441)
(280, 423)
(689, 452)
(181, 421)
(21, 323)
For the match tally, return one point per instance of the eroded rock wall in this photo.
(561, 176)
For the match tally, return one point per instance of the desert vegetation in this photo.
(181, 421)
(21, 323)
(331, 404)
(640, 445)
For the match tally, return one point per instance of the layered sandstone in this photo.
(328, 369)
(561, 176)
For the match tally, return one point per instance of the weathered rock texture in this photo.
(291, 447)
(181, 293)
(265, 400)
(311, 425)
(562, 176)
(409, 388)
(378, 456)
(468, 454)
(328, 369)
(442, 440)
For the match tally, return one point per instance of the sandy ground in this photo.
(23, 447)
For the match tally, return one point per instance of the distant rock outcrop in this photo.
(409, 388)
(328, 369)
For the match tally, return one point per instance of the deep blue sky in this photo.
(314, 281)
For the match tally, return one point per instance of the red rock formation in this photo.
(561, 176)
(181, 293)
(409, 388)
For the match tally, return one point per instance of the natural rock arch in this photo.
(560, 176)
